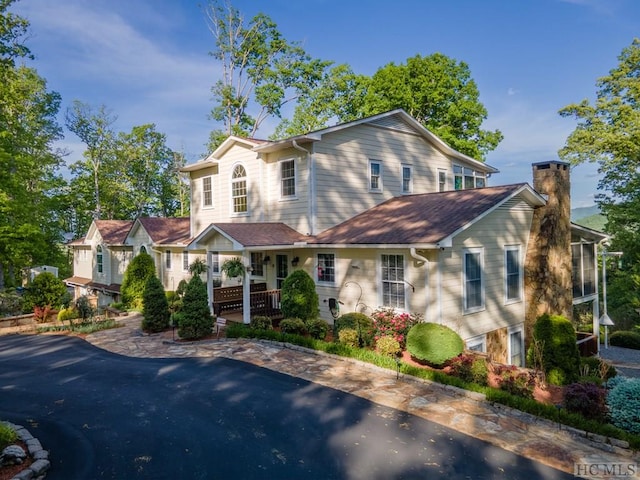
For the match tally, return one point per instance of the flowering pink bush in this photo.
(388, 322)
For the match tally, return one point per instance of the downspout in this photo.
(420, 258)
(246, 288)
(311, 186)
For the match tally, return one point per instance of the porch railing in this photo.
(261, 301)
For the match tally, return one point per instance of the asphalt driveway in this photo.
(107, 416)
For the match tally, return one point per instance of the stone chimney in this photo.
(547, 272)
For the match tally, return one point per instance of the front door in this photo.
(282, 269)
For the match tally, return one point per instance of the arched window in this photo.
(143, 249)
(99, 258)
(239, 189)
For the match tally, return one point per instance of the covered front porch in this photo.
(229, 302)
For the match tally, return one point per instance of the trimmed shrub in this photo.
(298, 296)
(45, 289)
(587, 399)
(470, 368)
(362, 324)
(386, 321)
(317, 328)
(7, 436)
(260, 322)
(182, 286)
(135, 278)
(67, 314)
(625, 339)
(194, 320)
(623, 402)
(560, 355)
(10, 303)
(155, 310)
(349, 337)
(387, 345)
(293, 325)
(433, 344)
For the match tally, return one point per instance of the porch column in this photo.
(246, 288)
(210, 280)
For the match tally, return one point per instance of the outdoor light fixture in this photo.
(604, 319)
(266, 260)
(295, 261)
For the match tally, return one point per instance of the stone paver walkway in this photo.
(467, 412)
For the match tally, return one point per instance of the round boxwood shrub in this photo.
(155, 307)
(626, 339)
(587, 399)
(362, 324)
(194, 320)
(623, 402)
(293, 325)
(433, 344)
(317, 328)
(560, 355)
(298, 296)
(260, 322)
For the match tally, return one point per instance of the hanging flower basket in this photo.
(233, 267)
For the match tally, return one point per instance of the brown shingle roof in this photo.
(416, 219)
(261, 234)
(113, 231)
(167, 230)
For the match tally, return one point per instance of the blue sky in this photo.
(148, 61)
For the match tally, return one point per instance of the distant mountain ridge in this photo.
(589, 217)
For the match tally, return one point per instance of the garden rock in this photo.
(12, 455)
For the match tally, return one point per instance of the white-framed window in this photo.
(516, 346)
(407, 178)
(99, 259)
(513, 275)
(326, 268)
(239, 194)
(143, 249)
(375, 176)
(473, 296)
(215, 262)
(167, 259)
(287, 178)
(477, 344)
(207, 191)
(185, 260)
(583, 273)
(442, 180)
(257, 267)
(465, 178)
(392, 278)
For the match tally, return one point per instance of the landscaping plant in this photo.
(7, 435)
(260, 322)
(626, 339)
(45, 289)
(194, 320)
(362, 324)
(433, 344)
(560, 354)
(587, 399)
(293, 325)
(623, 402)
(135, 278)
(317, 328)
(470, 368)
(388, 322)
(298, 296)
(155, 307)
(349, 337)
(387, 345)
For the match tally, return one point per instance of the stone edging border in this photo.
(38, 469)
(607, 444)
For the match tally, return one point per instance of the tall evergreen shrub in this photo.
(560, 355)
(135, 278)
(298, 296)
(194, 319)
(155, 310)
(45, 289)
